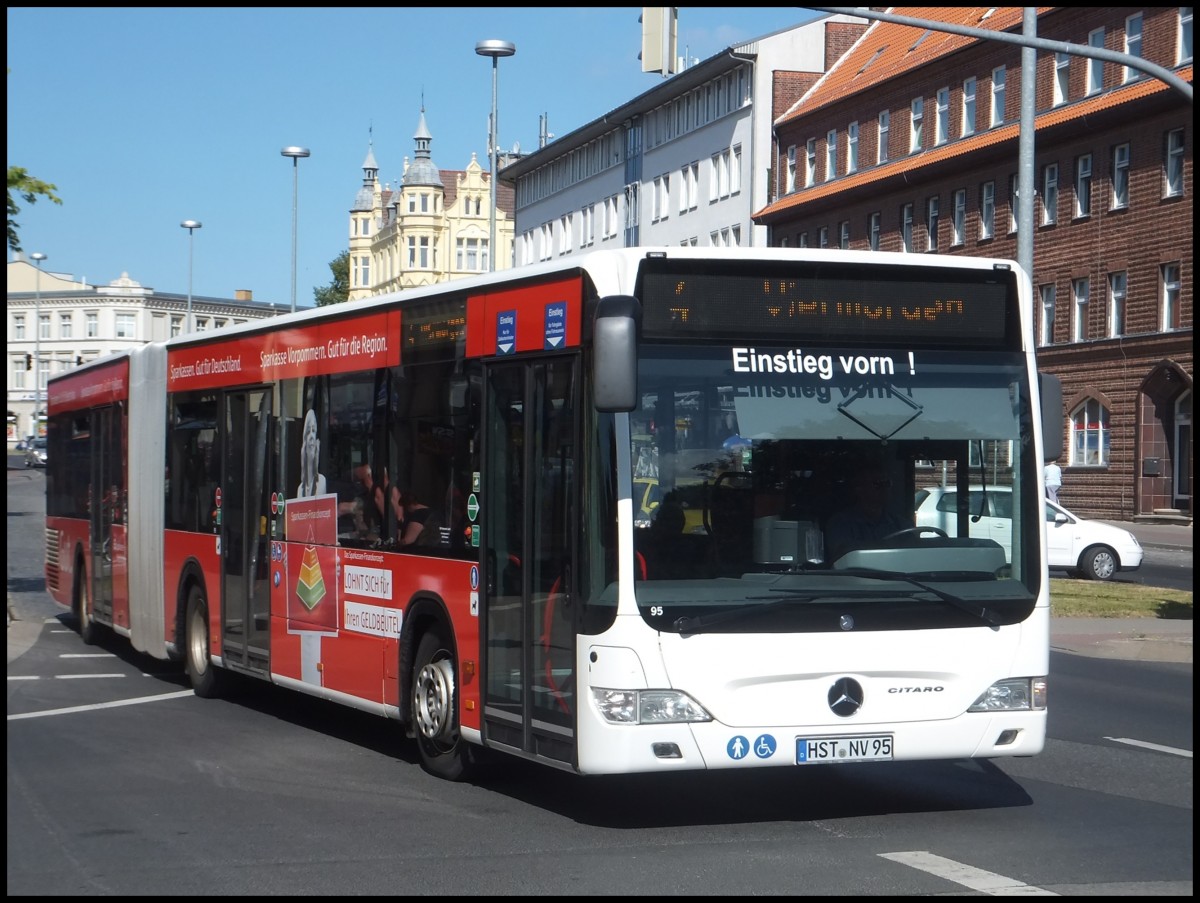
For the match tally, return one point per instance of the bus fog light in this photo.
(1018, 694)
(647, 706)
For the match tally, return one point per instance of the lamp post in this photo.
(495, 49)
(295, 153)
(38, 257)
(191, 225)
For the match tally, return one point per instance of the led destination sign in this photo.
(765, 302)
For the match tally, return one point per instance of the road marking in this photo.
(84, 676)
(1186, 753)
(976, 879)
(102, 705)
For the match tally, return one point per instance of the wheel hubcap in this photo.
(198, 644)
(1105, 566)
(432, 698)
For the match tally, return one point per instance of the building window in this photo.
(1095, 67)
(18, 327)
(64, 326)
(1120, 177)
(691, 189)
(1133, 42)
(941, 132)
(662, 197)
(1089, 441)
(802, 240)
(881, 147)
(176, 326)
(1046, 320)
(1050, 194)
(735, 169)
(1116, 304)
(906, 228)
(471, 255)
(1173, 165)
(873, 229)
(126, 326)
(810, 163)
(932, 209)
(830, 155)
(987, 210)
(852, 147)
(997, 117)
(1013, 201)
(823, 237)
(1170, 296)
(958, 226)
(1080, 288)
(789, 184)
(1183, 45)
(918, 116)
(1062, 78)
(968, 107)
(844, 235)
(91, 324)
(43, 326)
(1083, 186)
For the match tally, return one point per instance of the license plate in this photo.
(827, 750)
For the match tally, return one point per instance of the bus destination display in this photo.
(830, 307)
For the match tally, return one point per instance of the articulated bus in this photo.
(586, 513)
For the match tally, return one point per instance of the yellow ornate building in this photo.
(434, 228)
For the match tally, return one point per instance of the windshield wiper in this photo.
(975, 610)
(690, 625)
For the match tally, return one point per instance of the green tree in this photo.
(25, 185)
(339, 289)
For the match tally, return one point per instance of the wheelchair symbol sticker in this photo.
(764, 746)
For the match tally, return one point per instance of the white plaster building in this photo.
(55, 323)
(685, 163)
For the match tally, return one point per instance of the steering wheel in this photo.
(916, 531)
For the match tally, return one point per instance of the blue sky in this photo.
(144, 118)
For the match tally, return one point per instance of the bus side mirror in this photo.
(1050, 391)
(614, 353)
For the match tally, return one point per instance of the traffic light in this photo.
(29, 362)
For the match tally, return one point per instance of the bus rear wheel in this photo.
(444, 753)
(88, 630)
(205, 678)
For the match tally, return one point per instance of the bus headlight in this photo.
(647, 706)
(1018, 694)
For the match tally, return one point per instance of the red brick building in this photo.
(910, 143)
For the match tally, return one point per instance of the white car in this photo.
(1097, 551)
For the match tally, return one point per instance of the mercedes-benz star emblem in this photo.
(845, 697)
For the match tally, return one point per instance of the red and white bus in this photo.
(589, 513)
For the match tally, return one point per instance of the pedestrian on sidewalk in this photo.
(1053, 478)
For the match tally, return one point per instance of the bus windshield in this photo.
(770, 483)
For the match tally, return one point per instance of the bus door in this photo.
(530, 519)
(249, 460)
(107, 494)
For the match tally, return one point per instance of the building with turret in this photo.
(433, 227)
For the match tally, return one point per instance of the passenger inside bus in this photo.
(359, 518)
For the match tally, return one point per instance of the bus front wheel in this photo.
(444, 753)
(203, 675)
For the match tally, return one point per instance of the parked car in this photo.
(1094, 550)
(35, 452)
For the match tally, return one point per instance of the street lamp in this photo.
(38, 257)
(191, 225)
(295, 153)
(495, 49)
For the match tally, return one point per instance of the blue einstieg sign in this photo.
(556, 325)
